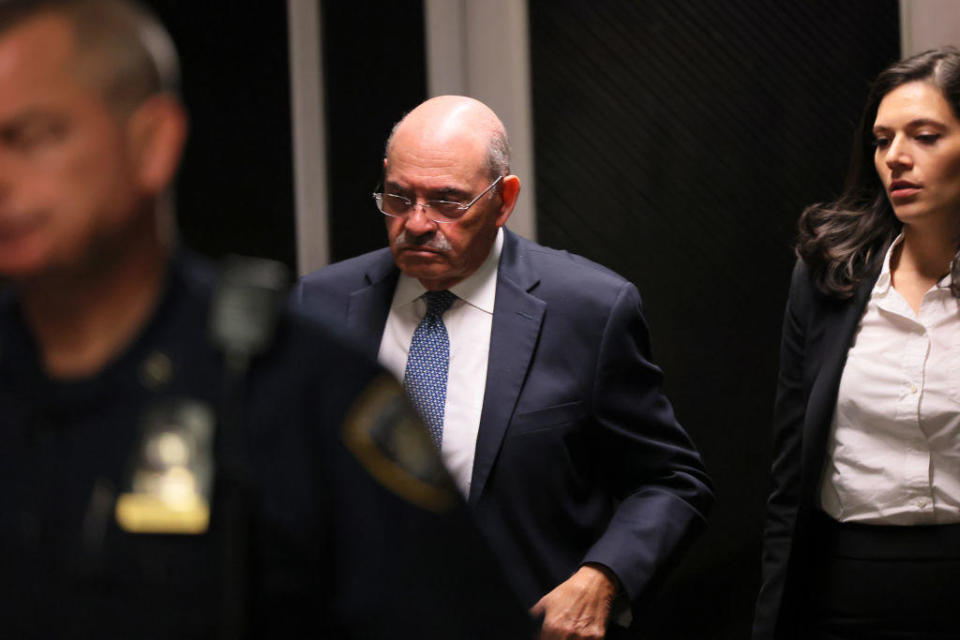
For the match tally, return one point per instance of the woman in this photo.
(863, 527)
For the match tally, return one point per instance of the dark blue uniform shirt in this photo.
(336, 543)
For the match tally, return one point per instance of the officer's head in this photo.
(91, 132)
(440, 158)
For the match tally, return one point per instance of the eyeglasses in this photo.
(442, 211)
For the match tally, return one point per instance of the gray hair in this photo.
(121, 47)
(498, 154)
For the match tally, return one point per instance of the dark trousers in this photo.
(877, 582)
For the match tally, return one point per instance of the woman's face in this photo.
(917, 154)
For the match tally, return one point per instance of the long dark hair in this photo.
(843, 241)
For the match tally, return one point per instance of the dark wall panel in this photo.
(374, 72)
(235, 190)
(676, 142)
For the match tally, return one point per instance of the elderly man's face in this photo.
(428, 167)
(67, 186)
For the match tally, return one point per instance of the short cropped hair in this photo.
(122, 48)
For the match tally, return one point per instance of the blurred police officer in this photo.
(155, 482)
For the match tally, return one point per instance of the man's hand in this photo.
(578, 609)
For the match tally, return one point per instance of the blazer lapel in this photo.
(838, 325)
(517, 317)
(368, 306)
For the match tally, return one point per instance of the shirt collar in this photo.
(479, 289)
(884, 279)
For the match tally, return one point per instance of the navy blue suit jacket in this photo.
(579, 457)
(817, 333)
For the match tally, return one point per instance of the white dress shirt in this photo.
(468, 323)
(893, 456)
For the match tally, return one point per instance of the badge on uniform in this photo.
(170, 483)
(388, 439)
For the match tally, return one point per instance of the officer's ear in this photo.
(156, 131)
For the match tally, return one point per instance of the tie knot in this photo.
(439, 301)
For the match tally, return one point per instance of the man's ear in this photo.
(509, 193)
(157, 130)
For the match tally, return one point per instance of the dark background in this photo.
(235, 192)
(676, 141)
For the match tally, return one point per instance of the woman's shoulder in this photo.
(805, 294)
(802, 283)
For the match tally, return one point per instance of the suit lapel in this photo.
(517, 317)
(368, 306)
(838, 325)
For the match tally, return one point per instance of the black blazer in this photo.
(579, 457)
(817, 332)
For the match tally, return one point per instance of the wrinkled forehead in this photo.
(443, 147)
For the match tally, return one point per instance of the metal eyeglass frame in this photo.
(430, 205)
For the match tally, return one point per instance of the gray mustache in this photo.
(434, 242)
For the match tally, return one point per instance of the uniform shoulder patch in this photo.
(393, 445)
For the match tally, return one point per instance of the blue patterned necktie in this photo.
(425, 377)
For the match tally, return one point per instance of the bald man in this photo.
(532, 369)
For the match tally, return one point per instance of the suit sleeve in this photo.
(783, 503)
(654, 470)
